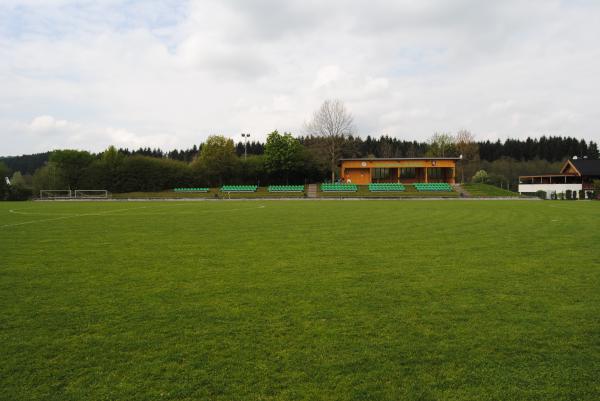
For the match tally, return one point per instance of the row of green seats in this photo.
(433, 186)
(386, 187)
(190, 189)
(339, 187)
(239, 188)
(286, 188)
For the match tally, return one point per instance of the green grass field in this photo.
(300, 300)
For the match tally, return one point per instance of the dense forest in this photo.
(281, 159)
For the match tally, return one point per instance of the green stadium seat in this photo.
(386, 187)
(339, 187)
(433, 187)
(286, 188)
(191, 189)
(239, 188)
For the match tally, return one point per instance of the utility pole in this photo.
(245, 136)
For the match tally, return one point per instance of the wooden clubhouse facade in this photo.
(403, 170)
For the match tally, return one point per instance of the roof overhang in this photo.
(548, 175)
(567, 164)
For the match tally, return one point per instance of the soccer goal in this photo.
(51, 194)
(91, 194)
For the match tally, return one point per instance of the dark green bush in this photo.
(18, 193)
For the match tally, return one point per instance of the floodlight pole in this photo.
(245, 136)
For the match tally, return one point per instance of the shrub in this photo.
(480, 177)
(568, 194)
(19, 193)
(541, 194)
(582, 194)
(596, 186)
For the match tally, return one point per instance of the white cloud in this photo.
(170, 73)
(48, 125)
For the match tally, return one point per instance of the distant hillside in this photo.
(26, 164)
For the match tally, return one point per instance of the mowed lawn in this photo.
(300, 300)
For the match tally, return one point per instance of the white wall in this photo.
(549, 188)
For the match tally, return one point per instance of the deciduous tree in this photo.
(467, 149)
(441, 144)
(283, 154)
(218, 159)
(71, 165)
(480, 176)
(334, 123)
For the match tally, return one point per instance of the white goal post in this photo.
(56, 194)
(91, 194)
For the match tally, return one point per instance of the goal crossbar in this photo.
(56, 194)
(91, 194)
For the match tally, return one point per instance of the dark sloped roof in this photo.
(587, 166)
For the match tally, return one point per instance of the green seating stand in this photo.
(386, 187)
(286, 188)
(239, 188)
(433, 186)
(339, 187)
(190, 189)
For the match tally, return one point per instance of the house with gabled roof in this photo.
(576, 175)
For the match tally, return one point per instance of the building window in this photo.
(434, 173)
(381, 173)
(409, 172)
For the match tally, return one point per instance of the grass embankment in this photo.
(486, 190)
(299, 301)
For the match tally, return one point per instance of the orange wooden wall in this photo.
(359, 171)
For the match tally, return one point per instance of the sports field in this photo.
(300, 300)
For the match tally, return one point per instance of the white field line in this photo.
(19, 211)
(62, 217)
(108, 212)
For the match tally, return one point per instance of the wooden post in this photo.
(426, 175)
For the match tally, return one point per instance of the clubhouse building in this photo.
(394, 170)
(576, 175)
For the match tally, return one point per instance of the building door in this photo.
(359, 176)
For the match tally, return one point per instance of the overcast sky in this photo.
(87, 74)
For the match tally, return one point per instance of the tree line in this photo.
(282, 158)
(550, 148)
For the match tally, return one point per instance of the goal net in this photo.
(56, 194)
(91, 194)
